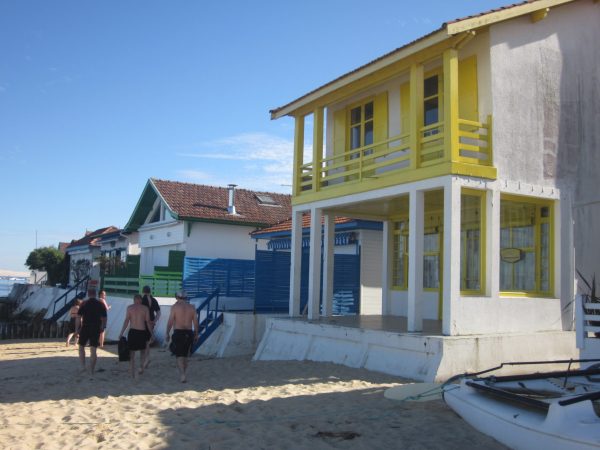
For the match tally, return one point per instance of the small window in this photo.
(361, 128)
(431, 104)
(265, 199)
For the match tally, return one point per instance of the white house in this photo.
(200, 221)
(476, 145)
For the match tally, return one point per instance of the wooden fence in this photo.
(39, 330)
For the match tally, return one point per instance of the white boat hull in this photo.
(569, 427)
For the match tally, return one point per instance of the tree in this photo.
(80, 269)
(48, 259)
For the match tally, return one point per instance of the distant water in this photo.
(6, 284)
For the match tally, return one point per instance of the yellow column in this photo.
(451, 105)
(298, 155)
(416, 113)
(317, 148)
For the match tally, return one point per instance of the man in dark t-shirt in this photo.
(93, 322)
(152, 304)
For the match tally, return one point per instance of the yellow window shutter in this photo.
(467, 89)
(405, 107)
(339, 132)
(380, 117)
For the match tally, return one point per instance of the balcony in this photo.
(465, 150)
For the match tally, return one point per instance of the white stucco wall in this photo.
(210, 240)
(428, 302)
(546, 107)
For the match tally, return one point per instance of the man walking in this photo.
(137, 319)
(183, 317)
(92, 323)
(149, 301)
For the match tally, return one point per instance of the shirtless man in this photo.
(92, 321)
(183, 317)
(137, 318)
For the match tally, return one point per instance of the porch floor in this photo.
(394, 324)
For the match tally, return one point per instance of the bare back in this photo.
(183, 316)
(139, 316)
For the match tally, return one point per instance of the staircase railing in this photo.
(209, 318)
(64, 302)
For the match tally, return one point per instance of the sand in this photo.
(231, 403)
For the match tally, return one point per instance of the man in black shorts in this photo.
(92, 323)
(184, 321)
(138, 320)
(154, 308)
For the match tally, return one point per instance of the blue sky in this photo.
(98, 96)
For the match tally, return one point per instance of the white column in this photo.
(451, 268)
(314, 261)
(492, 260)
(415, 260)
(386, 267)
(295, 264)
(328, 262)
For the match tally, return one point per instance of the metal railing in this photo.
(209, 318)
(61, 302)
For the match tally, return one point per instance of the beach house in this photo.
(85, 251)
(357, 251)
(177, 221)
(476, 146)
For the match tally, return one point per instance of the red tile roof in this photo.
(92, 238)
(286, 225)
(209, 203)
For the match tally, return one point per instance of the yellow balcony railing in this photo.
(394, 156)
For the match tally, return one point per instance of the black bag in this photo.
(123, 349)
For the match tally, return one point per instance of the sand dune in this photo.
(231, 403)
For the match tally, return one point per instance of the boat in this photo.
(542, 410)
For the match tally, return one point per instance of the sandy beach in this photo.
(227, 403)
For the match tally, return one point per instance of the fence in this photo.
(39, 330)
(233, 277)
(273, 282)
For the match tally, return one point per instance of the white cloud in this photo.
(268, 168)
(246, 146)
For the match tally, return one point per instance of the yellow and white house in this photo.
(477, 147)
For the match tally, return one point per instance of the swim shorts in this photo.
(136, 339)
(73, 325)
(181, 343)
(91, 334)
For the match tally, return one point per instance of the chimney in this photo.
(231, 204)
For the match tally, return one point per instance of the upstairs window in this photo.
(431, 101)
(361, 127)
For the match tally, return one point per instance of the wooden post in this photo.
(451, 149)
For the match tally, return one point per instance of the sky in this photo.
(97, 96)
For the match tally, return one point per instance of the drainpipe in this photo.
(231, 203)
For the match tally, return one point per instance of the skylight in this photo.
(265, 199)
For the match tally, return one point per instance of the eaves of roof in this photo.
(447, 30)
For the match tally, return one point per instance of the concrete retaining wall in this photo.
(425, 358)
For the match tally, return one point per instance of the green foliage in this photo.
(50, 260)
